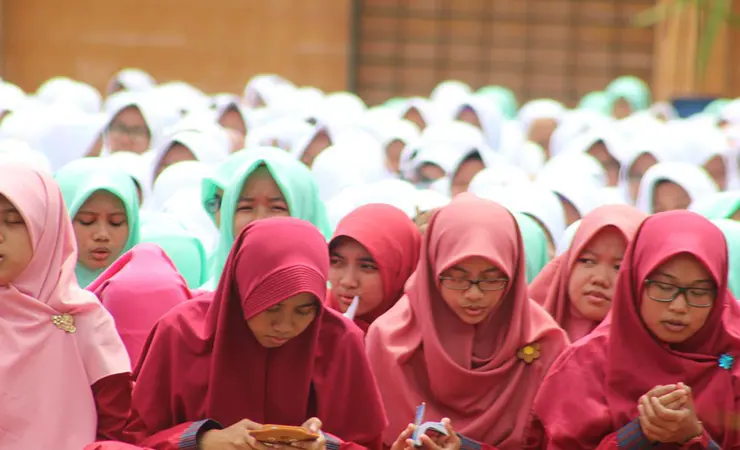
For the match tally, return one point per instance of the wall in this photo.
(217, 45)
(539, 48)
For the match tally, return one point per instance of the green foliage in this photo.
(714, 13)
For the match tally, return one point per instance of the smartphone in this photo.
(283, 434)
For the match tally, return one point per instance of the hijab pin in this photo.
(529, 353)
(726, 361)
(65, 322)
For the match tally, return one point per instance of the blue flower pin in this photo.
(726, 361)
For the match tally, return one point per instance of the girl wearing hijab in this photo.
(372, 263)
(138, 289)
(577, 287)
(301, 356)
(629, 94)
(661, 369)
(673, 185)
(209, 146)
(465, 338)
(104, 207)
(65, 379)
(269, 185)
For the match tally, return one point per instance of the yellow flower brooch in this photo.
(529, 353)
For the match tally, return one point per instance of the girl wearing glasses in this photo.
(577, 287)
(466, 339)
(661, 369)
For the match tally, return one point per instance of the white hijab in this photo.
(694, 180)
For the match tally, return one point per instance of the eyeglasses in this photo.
(666, 293)
(213, 205)
(463, 284)
(138, 133)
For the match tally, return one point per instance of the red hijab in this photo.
(138, 289)
(422, 352)
(394, 242)
(550, 288)
(202, 360)
(594, 388)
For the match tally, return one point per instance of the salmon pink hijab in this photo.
(203, 361)
(46, 374)
(594, 388)
(394, 245)
(550, 288)
(421, 351)
(138, 289)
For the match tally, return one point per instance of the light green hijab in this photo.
(731, 230)
(297, 184)
(632, 89)
(184, 249)
(82, 178)
(715, 108)
(720, 205)
(220, 179)
(598, 101)
(535, 245)
(503, 97)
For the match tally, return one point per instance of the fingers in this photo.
(255, 444)
(428, 443)
(651, 431)
(313, 425)
(403, 440)
(659, 390)
(249, 425)
(673, 400)
(665, 414)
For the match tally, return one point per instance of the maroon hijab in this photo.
(202, 360)
(594, 387)
(394, 242)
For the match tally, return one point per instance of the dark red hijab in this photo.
(394, 242)
(594, 387)
(202, 360)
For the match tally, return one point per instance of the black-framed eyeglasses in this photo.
(666, 292)
(463, 284)
(213, 205)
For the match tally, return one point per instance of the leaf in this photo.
(717, 12)
(661, 12)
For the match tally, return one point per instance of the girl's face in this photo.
(717, 169)
(260, 198)
(393, 155)
(354, 272)
(128, 131)
(594, 274)
(474, 303)
(607, 161)
(637, 171)
(175, 154)
(668, 196)
(675, 321)
(102, 230)
(464, 175)
(469, 115)
(278, 324)
(317, 145)
(232, 119)
(16, 249)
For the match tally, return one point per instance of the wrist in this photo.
(205, 439)
(696, 431)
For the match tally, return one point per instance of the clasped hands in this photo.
(429, 442)
(667, 414)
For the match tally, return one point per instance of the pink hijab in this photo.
(421, 351)
(46, 373)
(138, 289)
(550, 288)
